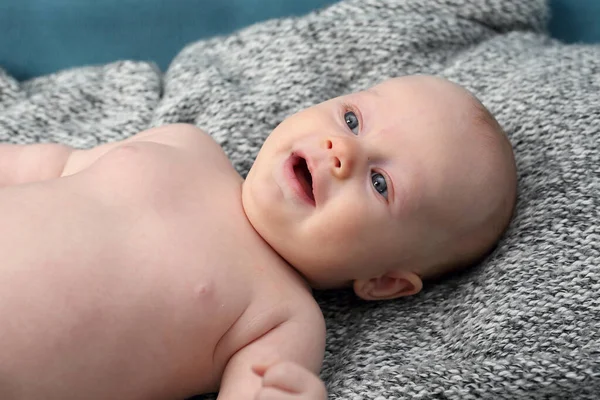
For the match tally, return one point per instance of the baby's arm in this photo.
(37, 162)
(20, 163)
(182, 136)
(289, 357)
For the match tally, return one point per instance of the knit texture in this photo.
(525, 323)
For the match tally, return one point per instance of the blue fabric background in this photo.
(576, 20)
(42, 36)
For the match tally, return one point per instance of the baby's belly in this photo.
(100, 302)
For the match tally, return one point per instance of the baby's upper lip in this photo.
(310, 164)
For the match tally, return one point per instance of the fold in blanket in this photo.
(524, 323)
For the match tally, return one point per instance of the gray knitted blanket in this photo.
(526, 322)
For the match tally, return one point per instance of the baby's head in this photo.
(384, 188)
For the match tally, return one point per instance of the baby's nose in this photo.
(342, 153)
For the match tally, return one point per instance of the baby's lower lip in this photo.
(295, 185)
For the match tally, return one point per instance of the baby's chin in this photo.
(321, 277)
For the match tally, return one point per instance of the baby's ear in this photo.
(389, 286)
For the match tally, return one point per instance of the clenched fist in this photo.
(289, 381)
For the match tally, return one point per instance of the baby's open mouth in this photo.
(304, 177)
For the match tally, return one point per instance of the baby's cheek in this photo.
(349, 228)
(347, 225)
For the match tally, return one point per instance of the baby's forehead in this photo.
(416, 111)
(429, 95)
(417, 84)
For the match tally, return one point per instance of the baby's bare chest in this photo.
(161, 214)
(141, 264)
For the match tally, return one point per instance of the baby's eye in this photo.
(352, 121)
(379, 184)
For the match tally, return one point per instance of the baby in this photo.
(150, 270)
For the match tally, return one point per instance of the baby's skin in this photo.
(149, 269)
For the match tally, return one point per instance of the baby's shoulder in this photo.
(168, 144)
(161, 166)
(283, 289)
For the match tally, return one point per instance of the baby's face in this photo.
(366, 183)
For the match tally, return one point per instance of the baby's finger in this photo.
(274, 394)
(288, 376)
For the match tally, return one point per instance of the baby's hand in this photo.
(288, 380)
